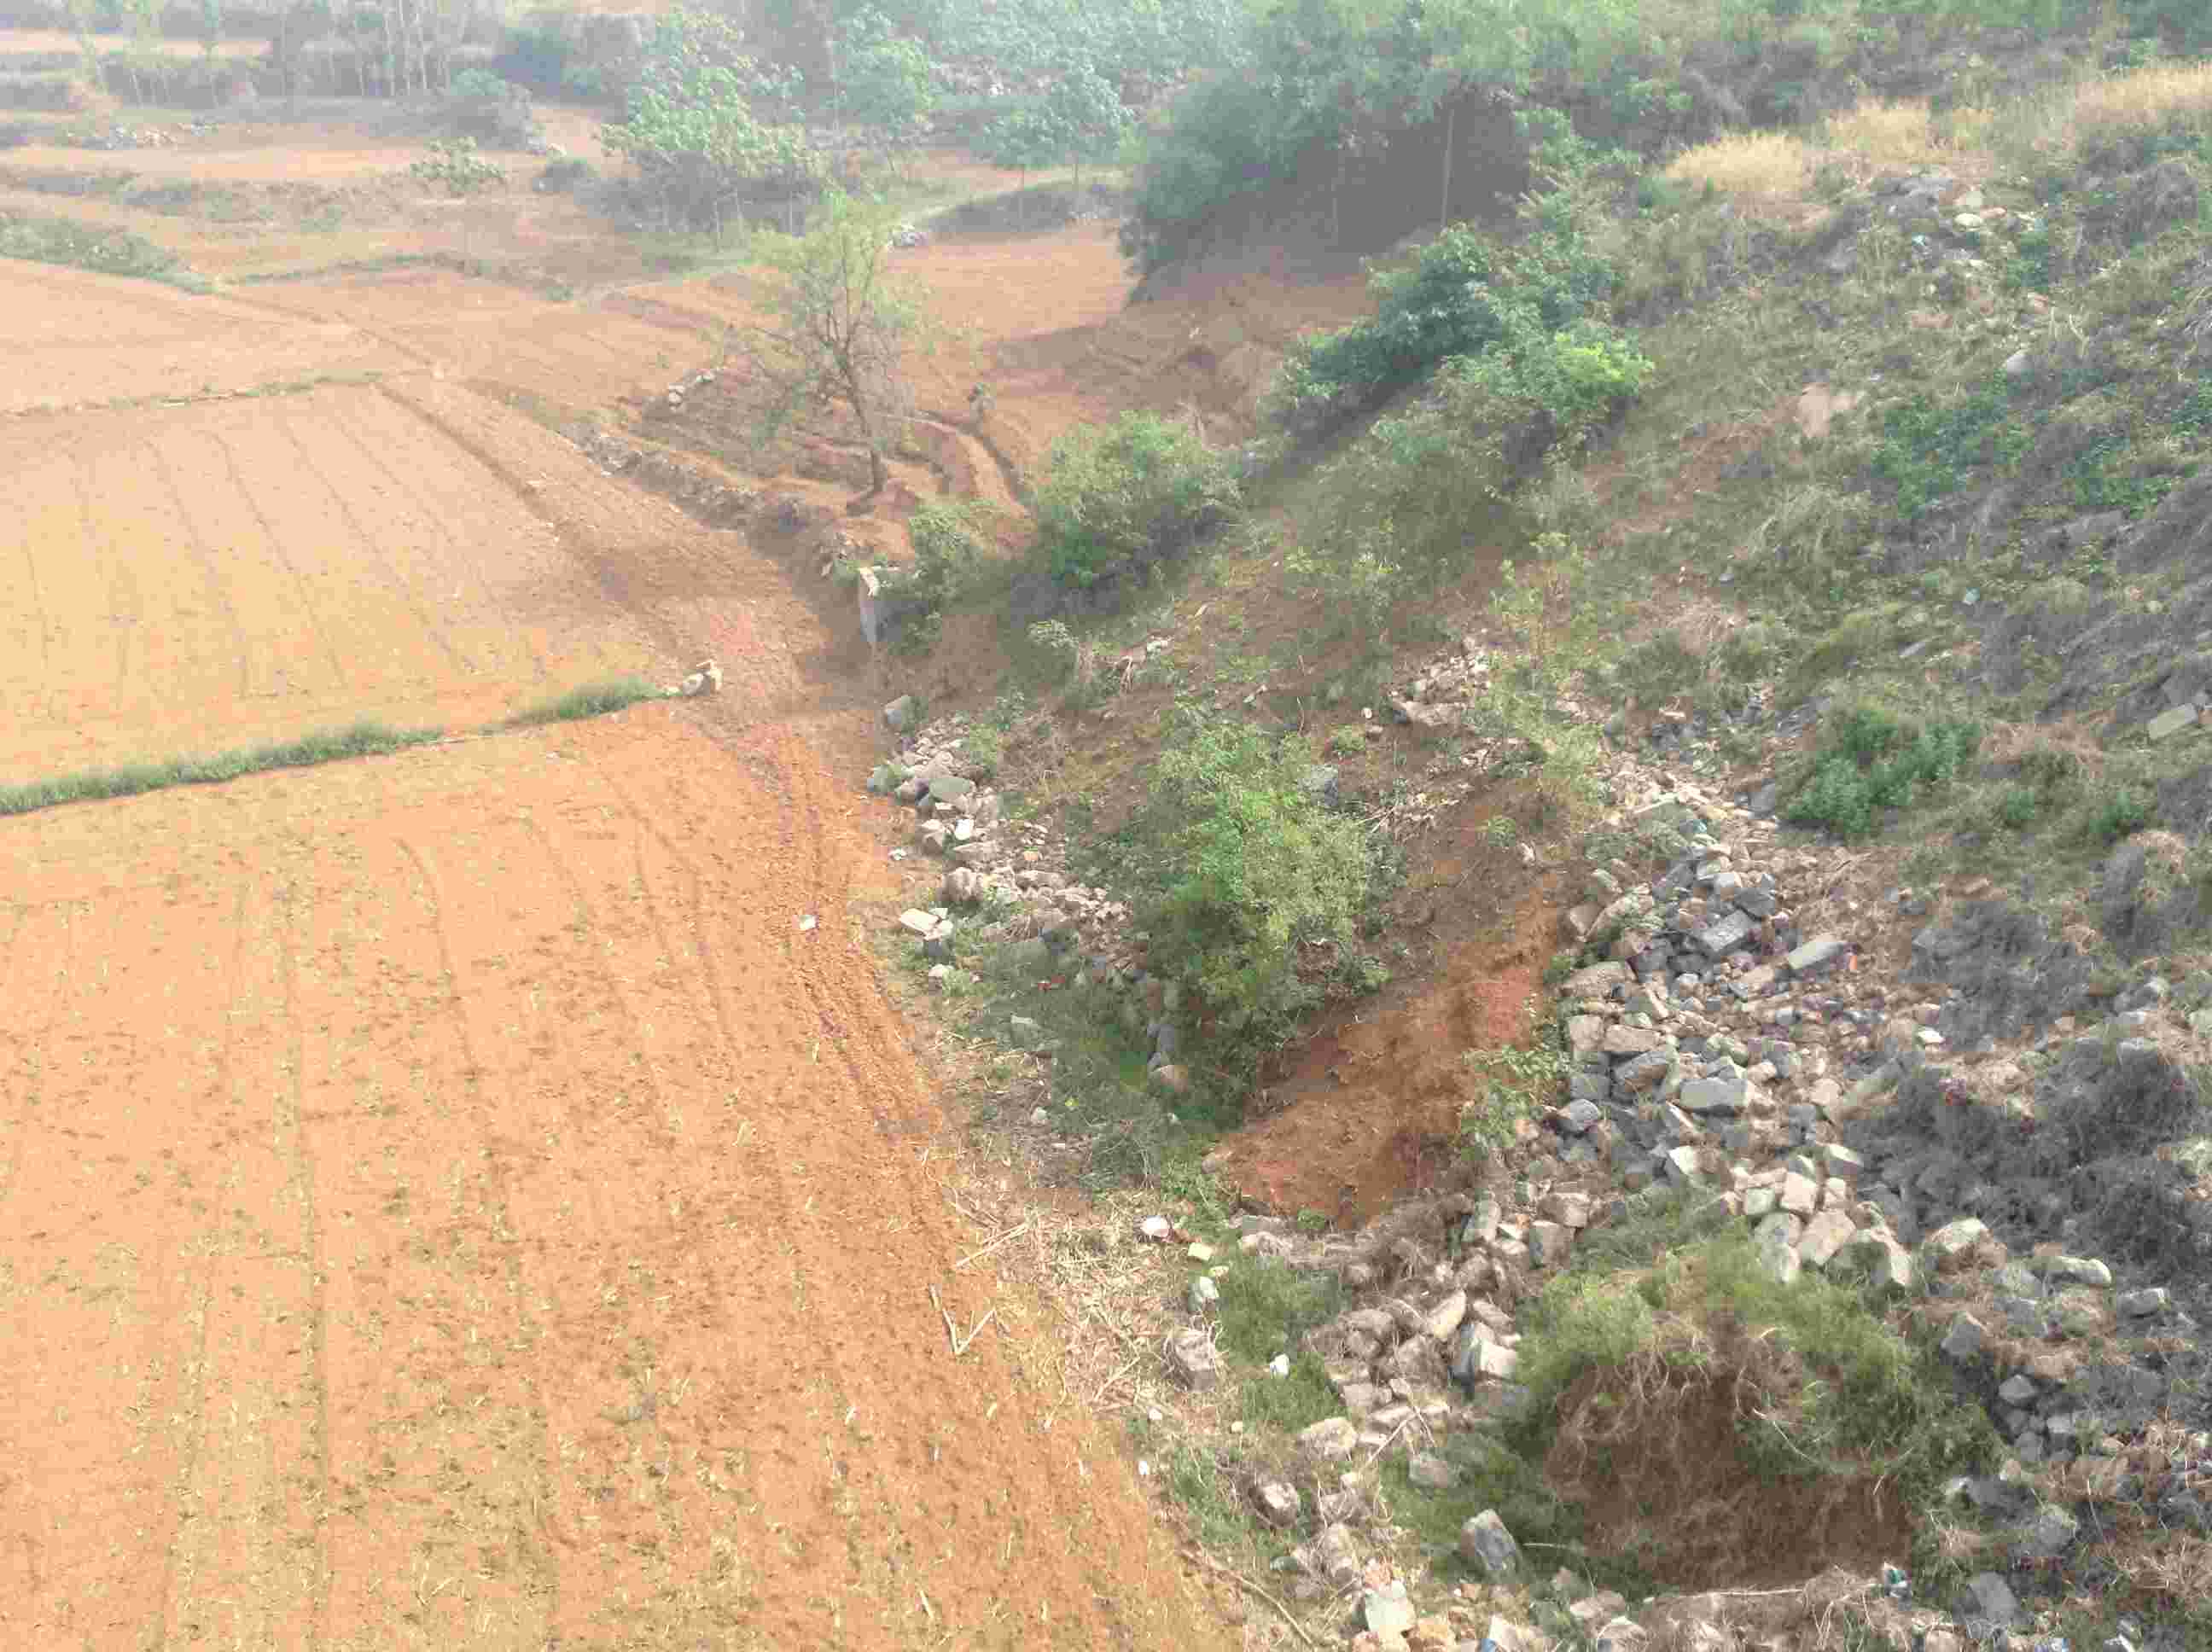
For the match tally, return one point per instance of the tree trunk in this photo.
(1443, 211)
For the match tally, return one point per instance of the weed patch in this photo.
(1287, 1404)
(89, 246)
(363, 739)
(1707, 1421)
(1265, 1307)
(1872, 760)
(592, 700)
(1927, 448)
(1507, 1086)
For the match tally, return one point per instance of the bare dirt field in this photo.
(446, 1201)
(71, 337)
(199, 576)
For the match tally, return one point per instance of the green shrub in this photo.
(1122, 498)
(1467, 293)
(1927, 449)
(948, 548)
(1251, 869)
(1872, 760)
(94, 246)
(1402, 508)
(2124, 814)
(454, 166)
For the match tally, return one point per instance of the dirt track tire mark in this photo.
(221, 1088)
(300, 1159)
(276, 544)
(501, 1204)
(344, 419)
(218, 589)
(408, 597)
(604, 570)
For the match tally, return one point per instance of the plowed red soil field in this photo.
(70, 338)
(447, 1201)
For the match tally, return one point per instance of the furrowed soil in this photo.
(446, 1199)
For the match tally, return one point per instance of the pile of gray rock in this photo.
(1009, 882)
(1719, 1052)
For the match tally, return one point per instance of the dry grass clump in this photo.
(1749, 166)
(1905, 134)
(2150, 97)
(2105, 117)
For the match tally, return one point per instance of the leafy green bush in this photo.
(1251, 868)
(481, 86)
(1504, 1087)
(94, 246)
(2122, 814)
(948, 548)
(1927, 449)
(1465, 295)
(1122, 498)
(691, 131)
(454, 166)
(1872, 760)
(1406, 503)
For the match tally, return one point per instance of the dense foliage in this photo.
(1252, 869)
(691, 131)
(1308, 84)
(1467, 293)
(1120, 498)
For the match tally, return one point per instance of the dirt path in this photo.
(445, 1201)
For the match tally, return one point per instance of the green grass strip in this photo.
(91, 247)
(363, 739)
(592, 700)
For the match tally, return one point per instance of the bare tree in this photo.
(844, 326)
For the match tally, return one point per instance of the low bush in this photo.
(92, 246)
(948, 548)
(1251, 870)
(484, 107)
(564, 175)
(454, 166)
(1872, 760)
(1467, 295)
(1409, 502)
(592, 700)
(1121, 499)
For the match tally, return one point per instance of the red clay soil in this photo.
(194, 577)
(71, 337)
(445, 1201)
(1368, 1109)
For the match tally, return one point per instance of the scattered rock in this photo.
(1194, 1360)
(1484, 1542)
